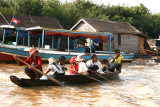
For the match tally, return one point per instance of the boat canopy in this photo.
(38, 32)
(41, 32)
(71, 34)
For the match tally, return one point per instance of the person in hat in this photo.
(74, 66)
(53, 69)
(35, 61)
(94, 65)
(82, 68)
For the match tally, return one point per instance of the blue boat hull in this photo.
(12, 51)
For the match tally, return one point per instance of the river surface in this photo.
(138, 85)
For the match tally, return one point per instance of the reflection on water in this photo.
(138, 86)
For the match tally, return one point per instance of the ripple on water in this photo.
(138, 86)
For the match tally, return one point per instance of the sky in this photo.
(152, 5)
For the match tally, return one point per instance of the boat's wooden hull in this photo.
(65, 79)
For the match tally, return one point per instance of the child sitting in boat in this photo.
(82, 68)
(53, 69)
(61, 63)
(94, 65)
(74, 66)
(35, 61)
(117, 60)
(108, 66)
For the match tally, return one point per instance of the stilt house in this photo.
(126, 37)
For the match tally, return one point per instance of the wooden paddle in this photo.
(54, 80)
(98, 74)
(88, 76)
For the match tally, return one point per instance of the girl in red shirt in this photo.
(35, 61)
(74, 66)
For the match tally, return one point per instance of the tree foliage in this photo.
(69, 13)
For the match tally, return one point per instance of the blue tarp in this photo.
(22, 33)
(97, 40)
(10, 31)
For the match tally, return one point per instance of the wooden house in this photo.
(31, 21)
(126, 37)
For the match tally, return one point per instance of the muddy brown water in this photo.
(138, 85)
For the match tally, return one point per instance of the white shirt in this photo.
(90, 63)
(82, 68)
(55, 69)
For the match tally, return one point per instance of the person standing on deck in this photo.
(94, 65)
(74, 66)
(35, 61)
(82, 68)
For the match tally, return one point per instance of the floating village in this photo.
(90, 57)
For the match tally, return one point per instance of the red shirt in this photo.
(72, 68)
(30, 61)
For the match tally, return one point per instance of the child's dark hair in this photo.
(116, 51)
(62, 58)
(104, 61)
(93, 55)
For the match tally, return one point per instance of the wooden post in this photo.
(52, 42)
(23, 41)
(59, 43)
(17, 38)
(68, 44)
(43, 33)
(4, 35)
(109, 45)
(90, 46)
(75, 44)
(39, 42)
(29, 39)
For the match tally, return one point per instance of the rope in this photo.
(4, 18)
(31, 19)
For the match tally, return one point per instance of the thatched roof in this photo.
(31, 21)
(109, 26)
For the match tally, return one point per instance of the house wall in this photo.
(86, 28)
(129, 42)
(83, 27)
(106, 45)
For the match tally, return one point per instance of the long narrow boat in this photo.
(65, 79)
(7, 51)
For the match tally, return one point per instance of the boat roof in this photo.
(72, 34)
(38, 30)
(6, 26)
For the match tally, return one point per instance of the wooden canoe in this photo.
(65, 79)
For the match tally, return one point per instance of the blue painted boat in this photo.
(7, 51)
